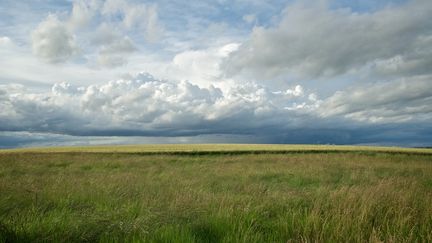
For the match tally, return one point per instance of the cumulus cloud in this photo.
(56, 40)
(402, 100)
(52, 41)
(202, 64)
(147, 106)
(315, 41)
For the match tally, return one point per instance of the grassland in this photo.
(216, 148)
(224, 193)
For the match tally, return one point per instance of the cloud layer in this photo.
(384, 102)
(314, 41)
(147, 106)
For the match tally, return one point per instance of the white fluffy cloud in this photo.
(147, 106)
(315, 41)
(56, 40)
(52, 41)
(201, 65)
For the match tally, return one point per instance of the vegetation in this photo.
(232, 193)
(216, 148)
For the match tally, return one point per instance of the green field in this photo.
(216, 193)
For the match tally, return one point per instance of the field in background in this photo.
(216, 193)
(216, 148)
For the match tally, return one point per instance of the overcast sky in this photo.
(248, 71)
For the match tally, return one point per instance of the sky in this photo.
(79, 72)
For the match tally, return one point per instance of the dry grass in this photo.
(306, 197)
(203, 148)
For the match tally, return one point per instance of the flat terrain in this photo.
(215, 148)
(216, 193)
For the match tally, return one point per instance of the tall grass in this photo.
(307, 197)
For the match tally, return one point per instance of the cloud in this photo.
(249, 18)
(82, 13)
(316, 72)
(5, 41)
(56, 41)
(314, 41)
(29, 139)
(153, 28)
(105, 34)
(202, 64)
(141, 16)
(52, 41)
(114, 53)
(113, 47)
(401, 100)
(147, 106)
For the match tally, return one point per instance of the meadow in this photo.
(216, 193)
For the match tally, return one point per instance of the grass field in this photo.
(215, 148)
(222, 193)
